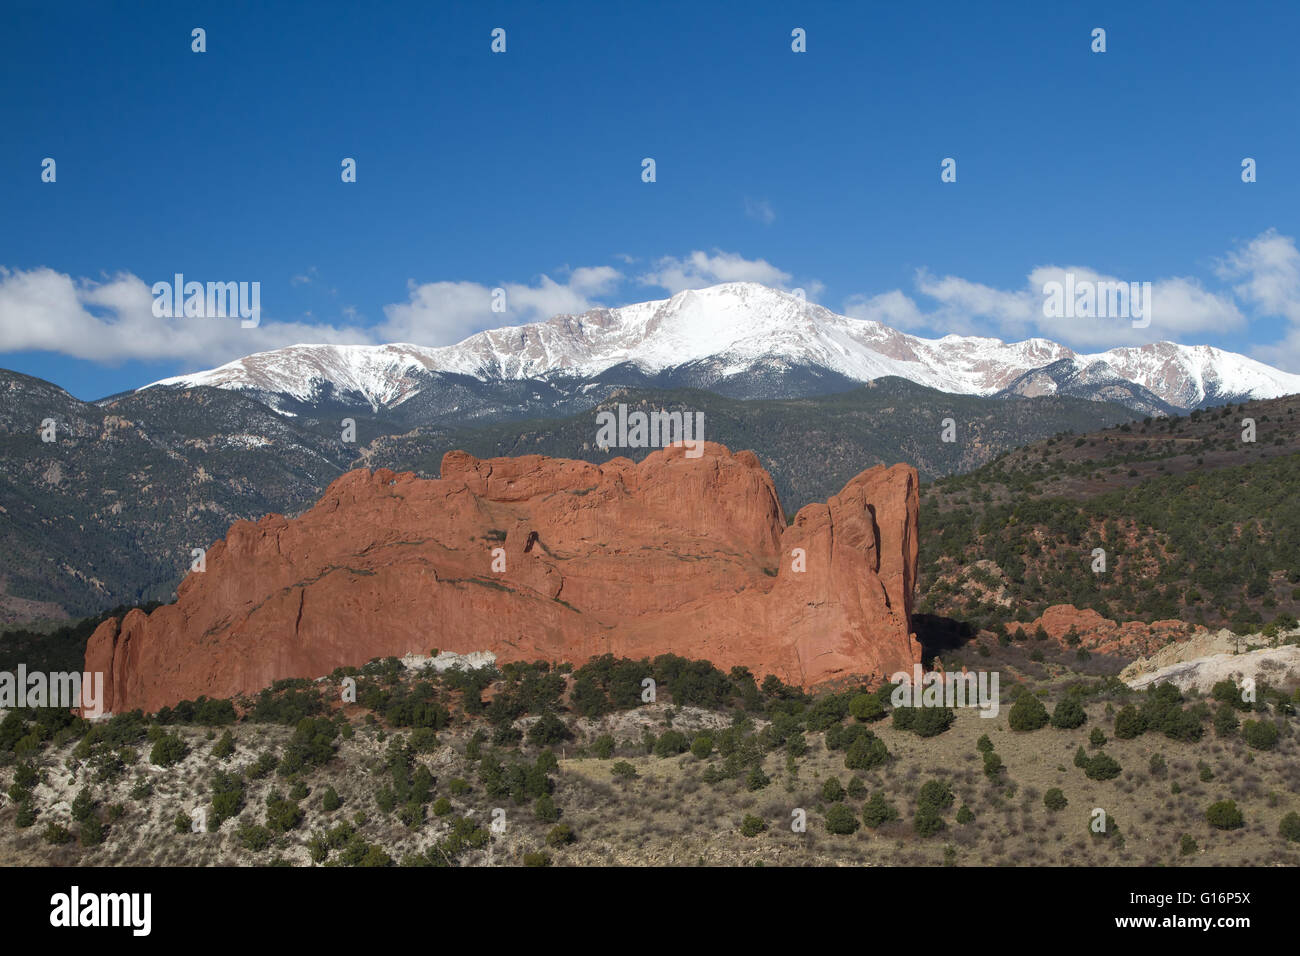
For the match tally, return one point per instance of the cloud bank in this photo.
(111, 320)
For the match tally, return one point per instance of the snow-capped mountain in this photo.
(739, 338)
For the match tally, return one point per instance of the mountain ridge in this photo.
(744, 339)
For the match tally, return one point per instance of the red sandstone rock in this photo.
(681, 555)
(1104, 636)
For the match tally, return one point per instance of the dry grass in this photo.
(669, 815)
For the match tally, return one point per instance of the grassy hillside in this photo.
(714, 772)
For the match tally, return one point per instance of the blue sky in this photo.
(522, 170)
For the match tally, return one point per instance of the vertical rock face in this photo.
(539, 558)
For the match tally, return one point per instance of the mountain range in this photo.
(111, 511)
(739, 339)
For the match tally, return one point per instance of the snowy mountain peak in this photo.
(730, 331)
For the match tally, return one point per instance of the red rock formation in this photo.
(689, 556)
(1104, 636)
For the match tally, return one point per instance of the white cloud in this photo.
(894, 309)
(699, 269)
(437, 313)
(1283, 354)
(1267, 273)
(960, 300)
(595, 280)
(1180, 306)
(961, 307)
(1269, 269)
(534, 303)
(443, 313)
(113, 321)
(813, 289)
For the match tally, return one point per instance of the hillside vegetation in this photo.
(538, 765)
(1195, 523)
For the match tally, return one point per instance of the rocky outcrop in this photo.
(1211, 656)
(539, 558)
(1102, 635)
